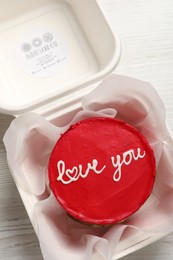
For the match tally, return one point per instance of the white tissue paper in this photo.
(30, 140)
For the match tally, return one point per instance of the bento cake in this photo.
(101, 170)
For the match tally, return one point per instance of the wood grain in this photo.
(17, 238)
(145, 28)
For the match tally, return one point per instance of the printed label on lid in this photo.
(42, 54)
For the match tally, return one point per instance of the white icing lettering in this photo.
(66, 176)
(126, 160)
(76, 172)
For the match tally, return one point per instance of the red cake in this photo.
(101, 170)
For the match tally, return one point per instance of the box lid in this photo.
(52, 53)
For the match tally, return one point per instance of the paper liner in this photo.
(30, 140)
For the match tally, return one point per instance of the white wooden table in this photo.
(145, 28)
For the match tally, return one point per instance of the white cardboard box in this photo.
(51, 54)
(52, 51)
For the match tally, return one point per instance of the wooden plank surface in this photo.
(145, 28)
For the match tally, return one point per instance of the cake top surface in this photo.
(101, 170)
